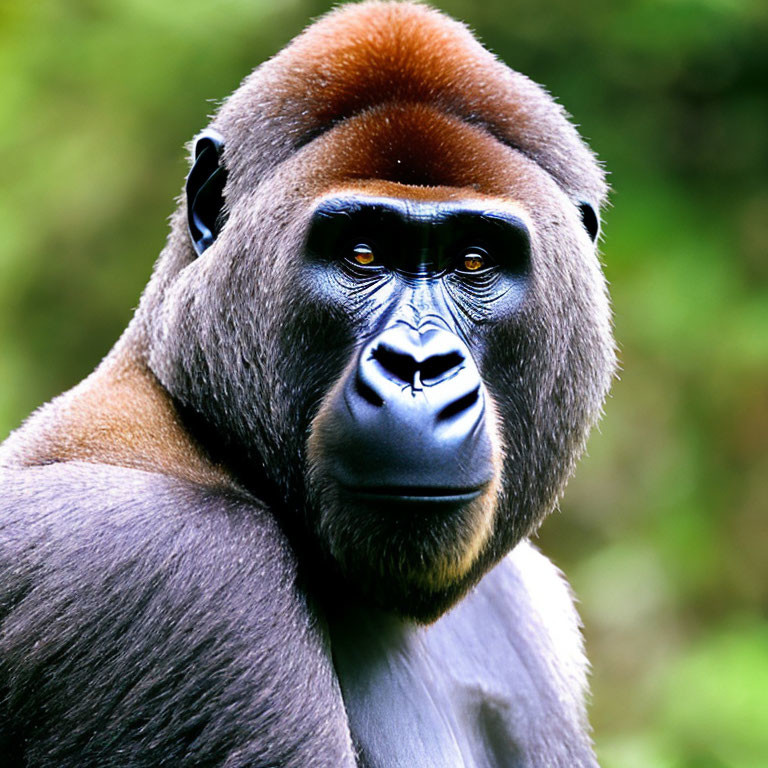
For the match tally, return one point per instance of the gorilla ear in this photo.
(590, 220)
(205, 191)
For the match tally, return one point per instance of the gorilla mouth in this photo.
(419, 494)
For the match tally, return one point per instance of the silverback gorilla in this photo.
(358, 379)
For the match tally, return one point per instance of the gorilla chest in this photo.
(425, 697)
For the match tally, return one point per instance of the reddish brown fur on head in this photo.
(360, 57)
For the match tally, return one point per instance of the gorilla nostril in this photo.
(404, 367)
(399, 364)
(459, 405)
(436, 366)
(367, 392)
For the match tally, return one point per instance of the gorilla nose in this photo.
(412, 417)
(413, 368)
(429, 363)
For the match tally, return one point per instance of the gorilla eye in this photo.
(474, 259)
(363, 254)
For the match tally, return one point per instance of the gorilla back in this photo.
(285, 521)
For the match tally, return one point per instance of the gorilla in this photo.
(285, 522)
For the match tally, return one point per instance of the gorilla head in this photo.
(382, 303)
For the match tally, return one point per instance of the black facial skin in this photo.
(410, 416)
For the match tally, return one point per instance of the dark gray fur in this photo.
(137, 634)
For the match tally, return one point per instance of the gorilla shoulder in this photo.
(116, 602)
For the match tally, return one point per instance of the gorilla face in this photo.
(398, 328)
(405, 452)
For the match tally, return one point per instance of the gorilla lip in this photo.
(427, 494)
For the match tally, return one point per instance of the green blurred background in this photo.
(663, 532)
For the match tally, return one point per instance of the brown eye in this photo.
(363, 254)
(474, 259)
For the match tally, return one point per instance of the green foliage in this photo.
(664, 528)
